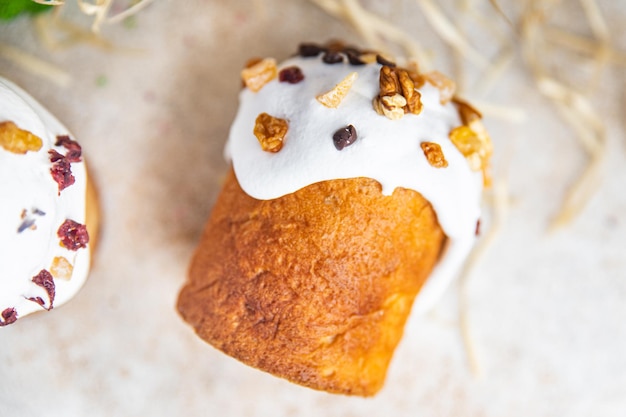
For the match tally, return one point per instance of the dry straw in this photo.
(534, 37)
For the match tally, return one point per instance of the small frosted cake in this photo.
(355, 188)
(48, 214)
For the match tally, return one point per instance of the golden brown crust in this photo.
(315, 286)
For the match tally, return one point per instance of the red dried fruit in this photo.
(61, 170)
(73, 235)
(55, 156)
(8, 316)
(74, 151)
(291, 75)
(44, 280)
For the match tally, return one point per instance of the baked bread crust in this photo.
(314, 286)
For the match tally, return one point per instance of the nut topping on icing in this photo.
(397, 94)
(270, 131)
(390, 152)
(259, 74)
(434, 154)
(16, 140)
(334, 97)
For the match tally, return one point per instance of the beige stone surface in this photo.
(546, 310)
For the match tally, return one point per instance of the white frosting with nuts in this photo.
(386, 150)
(29, 193)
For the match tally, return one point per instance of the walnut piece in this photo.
(388, 80)
(259, 74)
(397, 93)
(61, 268)
(412, 96)
(434, 154)
(334, 97)
(270, 131)
(16, 140)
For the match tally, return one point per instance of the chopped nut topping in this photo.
(73, 235)
(61, 268)
(388, 80)
(392, 113)
(334, 97)
(413, 70)
(434, 154)
(270, 131)
(445, 85)
(397, 83)
(16, 140)
(259, 74)
(345, 136)
(396, 100)
(412, 96)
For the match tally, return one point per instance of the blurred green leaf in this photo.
(9, 9)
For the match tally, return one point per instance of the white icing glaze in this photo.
(26, 184)
(386, 150)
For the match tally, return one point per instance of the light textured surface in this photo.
(545, 310)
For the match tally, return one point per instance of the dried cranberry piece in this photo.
(74, 151)
(73, 235)
(310, 49)
(8, 316)
(291, 75)
(332, 58)
(477, 227)
(345, 136)
(44, 280)
(61, 170)
(55, 156)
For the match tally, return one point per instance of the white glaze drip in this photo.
(27, 184)
(386, 150)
